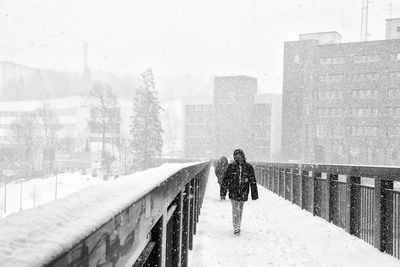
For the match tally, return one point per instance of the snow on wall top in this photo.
(34, 236)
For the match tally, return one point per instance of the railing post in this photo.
(382, 216)
(278, 180)
(185, 226)
(377, 215)
(328, 200)
(177, 231)
(388, 216)
(196, 199)
(264, 177)
(270, 179)
(273, 179)
(291, 186)
(158, 235)
(352, 208)
(284, 182)
(315, 199)
(191, 214)
(301, 188)
(164, 239)
(278, 176)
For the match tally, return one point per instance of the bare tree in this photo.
(49, 127)
(26, 135)
(49, 124)
(105, 116)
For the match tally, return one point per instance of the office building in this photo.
(234, 117)
(341, 101)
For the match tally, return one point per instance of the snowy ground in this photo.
(275, 233)
(39, 191)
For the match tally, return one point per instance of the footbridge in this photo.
(307, 215)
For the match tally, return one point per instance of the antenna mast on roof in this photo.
(364, 20)
(389, 25)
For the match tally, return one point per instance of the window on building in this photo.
(393, 92)
(394, 75)
(330, 94)
(358, 77)
(321, 130)
(373, 76)
(338, 60)
(331, 78)
(364, 130)
(331, 60)
(364, 94)
(395, 57)
(398, 28)
(330, 112)
(324, 60)
(296, 59)
(336, 77)
(364, 112)
(393, 130)
(366, 58)
(393, 111)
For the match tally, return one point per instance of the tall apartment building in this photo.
(341, 101)
(235, 117)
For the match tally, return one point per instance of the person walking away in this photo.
(220, 170)
(238, 180)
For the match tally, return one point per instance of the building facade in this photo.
(341, 101)
(199, 128)
(234, 108)
(79, 123)
(234, 117)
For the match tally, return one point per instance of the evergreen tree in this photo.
(146, 142)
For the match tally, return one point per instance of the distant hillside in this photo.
(20, 82)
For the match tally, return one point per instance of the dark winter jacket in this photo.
(220, 169)
(239, 189)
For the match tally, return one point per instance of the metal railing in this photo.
(163, 224)
(155, 230)
(160, 161)
(360, 199)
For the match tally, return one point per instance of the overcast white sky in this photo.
(181, 37)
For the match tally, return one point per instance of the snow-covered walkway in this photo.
(275, 233)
